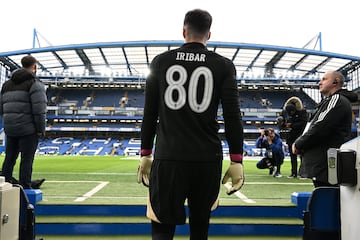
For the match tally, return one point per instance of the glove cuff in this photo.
(145, 152)
(238, 158)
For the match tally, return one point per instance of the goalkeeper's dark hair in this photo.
(198, 21)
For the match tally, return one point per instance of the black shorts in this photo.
(172, 182)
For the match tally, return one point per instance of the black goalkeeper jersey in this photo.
(183, 92)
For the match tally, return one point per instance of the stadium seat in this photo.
(322, 217)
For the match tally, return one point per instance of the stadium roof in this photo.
(129, 61)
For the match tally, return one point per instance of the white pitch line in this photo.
(77, 181)
(278, 183)
(239, 194)
(91, 192)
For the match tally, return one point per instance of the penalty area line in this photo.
(239, 194)
(91, 192)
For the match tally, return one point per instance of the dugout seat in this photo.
(322, 216)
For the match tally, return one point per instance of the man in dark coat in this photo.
(329, 127)
(23, 109)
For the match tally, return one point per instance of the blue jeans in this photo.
(27, 145)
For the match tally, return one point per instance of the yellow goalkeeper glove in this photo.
(236, 173)
(143, 173)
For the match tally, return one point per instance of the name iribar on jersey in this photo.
(193, 57)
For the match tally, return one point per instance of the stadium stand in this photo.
(93, 104)
(85, 117)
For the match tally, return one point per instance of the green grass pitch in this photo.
(112, 180)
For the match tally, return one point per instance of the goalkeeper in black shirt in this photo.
(183, 91)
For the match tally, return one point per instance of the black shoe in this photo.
(271, 170)
(37, 183)
(292, 176)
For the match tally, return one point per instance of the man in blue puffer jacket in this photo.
(23, 109)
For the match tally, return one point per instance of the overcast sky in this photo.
(275, 22)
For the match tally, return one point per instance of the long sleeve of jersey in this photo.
(232, 115)
(150, 115)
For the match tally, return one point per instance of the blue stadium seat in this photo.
(322, 217)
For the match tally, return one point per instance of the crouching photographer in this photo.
(292, 122)
(274, 155)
